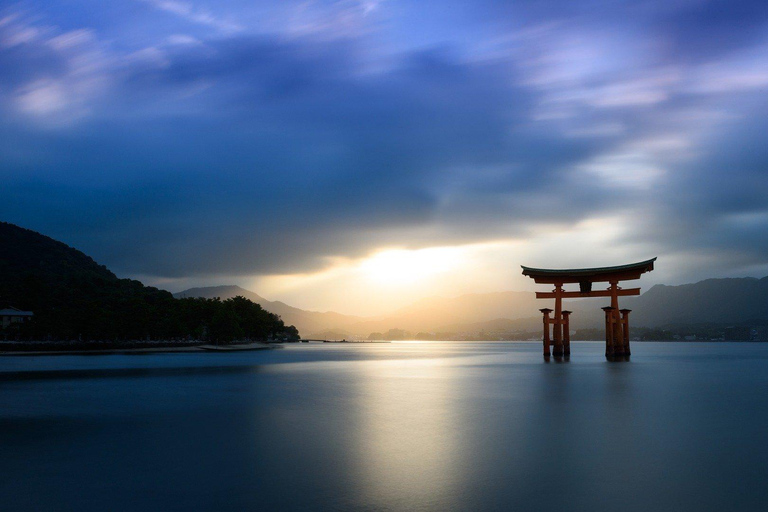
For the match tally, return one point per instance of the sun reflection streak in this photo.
(409, 443)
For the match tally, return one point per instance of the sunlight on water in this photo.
(407, 439)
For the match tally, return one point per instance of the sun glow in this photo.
(397, 267)
(390, 278)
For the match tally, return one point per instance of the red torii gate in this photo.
(616, 320)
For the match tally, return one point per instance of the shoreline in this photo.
(134, 350)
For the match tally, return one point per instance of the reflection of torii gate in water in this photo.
(616, 320)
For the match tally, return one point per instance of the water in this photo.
(422, 426)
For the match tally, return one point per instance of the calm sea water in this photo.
(421, 426)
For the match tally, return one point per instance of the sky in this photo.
(357, 156)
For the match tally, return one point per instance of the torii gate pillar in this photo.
(610, 333)
(566, 333)
(545, 312)
(625, 329)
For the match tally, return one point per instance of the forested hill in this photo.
(73, 297)
(742, 299)
(24, 251)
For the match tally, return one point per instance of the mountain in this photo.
(720, 301)
(223, 292)
(732, 300)
(26, 252)
(309, 323)
(440, 314)
(709, 301)
(476, 307)
(73, 297)
(425, 315)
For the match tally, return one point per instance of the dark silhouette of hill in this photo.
(26, 251)
(73, 297)
(710, 301)
(225, 292)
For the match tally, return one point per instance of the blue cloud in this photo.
(191, 150)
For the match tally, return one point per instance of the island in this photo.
(70, 302)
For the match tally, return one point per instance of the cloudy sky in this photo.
(358, 155)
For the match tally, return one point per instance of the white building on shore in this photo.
(10, 316)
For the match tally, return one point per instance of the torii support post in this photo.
(546, 312)
(609, 340)
(558, 321)
(625, 329)
(618, 335)
(566, 333)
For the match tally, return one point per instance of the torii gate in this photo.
(616, 320)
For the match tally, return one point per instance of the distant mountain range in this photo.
(310, 321)
(733, 300)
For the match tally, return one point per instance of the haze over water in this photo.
(407, 426)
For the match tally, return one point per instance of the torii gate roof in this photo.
(592, 275)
